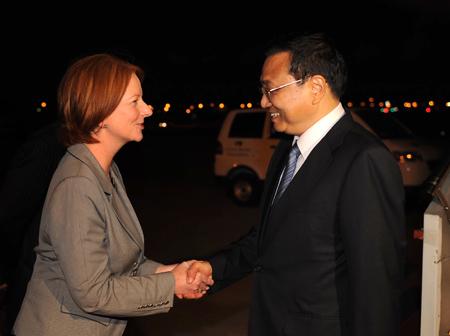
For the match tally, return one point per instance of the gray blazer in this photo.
(90, 270)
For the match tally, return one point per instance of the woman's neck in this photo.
(104, 155)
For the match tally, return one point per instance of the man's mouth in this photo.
(274, 115)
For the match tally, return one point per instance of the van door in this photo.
(246, 145)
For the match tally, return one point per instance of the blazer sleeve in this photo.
(148, 267)
(372, 224)
(75, 224)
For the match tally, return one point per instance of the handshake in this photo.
(192, 278)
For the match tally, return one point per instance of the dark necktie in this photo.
(289, 170)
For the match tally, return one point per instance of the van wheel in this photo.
(244, 189)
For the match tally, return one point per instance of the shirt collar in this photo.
(312, 136)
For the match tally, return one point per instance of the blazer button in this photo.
(258, 268)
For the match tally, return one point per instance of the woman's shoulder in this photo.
(72, 166)
(73, 171)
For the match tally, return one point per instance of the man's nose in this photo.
(265, 102)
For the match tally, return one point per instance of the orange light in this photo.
(418, 234)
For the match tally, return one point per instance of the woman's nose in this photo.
(148, 110)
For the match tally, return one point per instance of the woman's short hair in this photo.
(90, 90)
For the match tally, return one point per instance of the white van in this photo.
(247, 140)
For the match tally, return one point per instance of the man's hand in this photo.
(202, 269)
(194, 289)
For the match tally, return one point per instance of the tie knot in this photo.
(294, 152)
(295, 149)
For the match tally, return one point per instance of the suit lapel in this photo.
(119, 201)
(272, 178)
(310, 173)
(126, 216)
(274, 172)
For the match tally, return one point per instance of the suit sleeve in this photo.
(239, 259)
(234, 262)
(75, 226)
(373, 232)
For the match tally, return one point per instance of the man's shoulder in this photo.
(360, 138)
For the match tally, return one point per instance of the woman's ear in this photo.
(99, 127)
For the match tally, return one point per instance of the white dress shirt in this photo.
(312, 136)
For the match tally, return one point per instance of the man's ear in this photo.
(318, 88)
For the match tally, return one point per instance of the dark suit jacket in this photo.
(328, 256)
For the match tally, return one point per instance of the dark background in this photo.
(396, 50)
(393, 48)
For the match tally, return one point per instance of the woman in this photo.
(90, 269)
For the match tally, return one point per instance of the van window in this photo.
(384, 125)
(248, 125)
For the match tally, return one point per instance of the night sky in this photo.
(393, 48)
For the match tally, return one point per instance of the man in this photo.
(22, 196)
(327, 255)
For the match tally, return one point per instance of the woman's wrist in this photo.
(165, 268)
